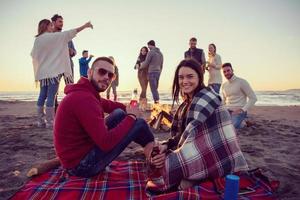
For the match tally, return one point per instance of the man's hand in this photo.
(89, 25)
(91, 56)
(134, 111)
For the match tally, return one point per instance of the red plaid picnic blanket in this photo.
(127, 180)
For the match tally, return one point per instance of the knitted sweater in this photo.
(215, 75)
(235, 93)
(50, 55)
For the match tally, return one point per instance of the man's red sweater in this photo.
(80, 124)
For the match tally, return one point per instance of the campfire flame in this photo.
(157, 108)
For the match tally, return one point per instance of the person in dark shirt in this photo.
(194, 53)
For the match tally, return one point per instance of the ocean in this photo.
(265, 98)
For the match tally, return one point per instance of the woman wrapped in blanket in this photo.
(203, 141)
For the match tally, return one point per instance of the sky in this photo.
(260, 38)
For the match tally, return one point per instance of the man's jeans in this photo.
(96, 160)
(238, 119)
(153, 78)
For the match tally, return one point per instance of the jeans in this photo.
(238, 119)
(142, 76)
(48, 92)
(153, 78)
(215, 86)
(114, 89)
(96, 160)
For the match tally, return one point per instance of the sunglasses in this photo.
(103, 72)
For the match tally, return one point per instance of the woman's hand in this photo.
(159, 160)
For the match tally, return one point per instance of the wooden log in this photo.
(43, 167)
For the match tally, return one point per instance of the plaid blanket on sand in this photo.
(126, 180)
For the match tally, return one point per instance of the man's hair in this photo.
(151, 42)
(106, 59)
(55, 17)
(84, 51)
(193, 39)
(227, 65)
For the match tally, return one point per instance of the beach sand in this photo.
(271, 144)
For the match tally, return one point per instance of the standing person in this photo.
(115, 83)
(84, 63)
(142, 76)
(58, 23)
(154, 64)
(50, 57)
(195, 53)
(214, 66)
(203, 143)
(84, 140)
(235, 92)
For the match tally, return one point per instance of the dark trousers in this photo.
(96, 160)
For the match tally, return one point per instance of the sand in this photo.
(271, 144)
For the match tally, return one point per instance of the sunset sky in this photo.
(261, 38)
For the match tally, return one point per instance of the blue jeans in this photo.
(96, 160)
(238, 119)
(48, 92)
(215, 86)
(153, 78)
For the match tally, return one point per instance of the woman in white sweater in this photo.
(50, 58)
(214, 68)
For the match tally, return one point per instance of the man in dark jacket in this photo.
(85, 141)
(195, 53)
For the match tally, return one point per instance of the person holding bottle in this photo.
(203, 141)
(85, 139)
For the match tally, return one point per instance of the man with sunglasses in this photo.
(85, 141)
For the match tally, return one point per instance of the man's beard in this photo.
(58, 29)
(96, 86)
(229, 77)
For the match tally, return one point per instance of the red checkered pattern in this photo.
(124, 180)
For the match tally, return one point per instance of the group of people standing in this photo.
(238, 96)
(203, 142)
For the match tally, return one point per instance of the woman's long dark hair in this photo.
(194, 65)
(43, 25)
(141, 56)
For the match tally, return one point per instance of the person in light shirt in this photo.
(214, 66)
(238, 96)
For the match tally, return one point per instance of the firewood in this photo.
(43, 167)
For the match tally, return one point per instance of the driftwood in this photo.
(43, 167)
